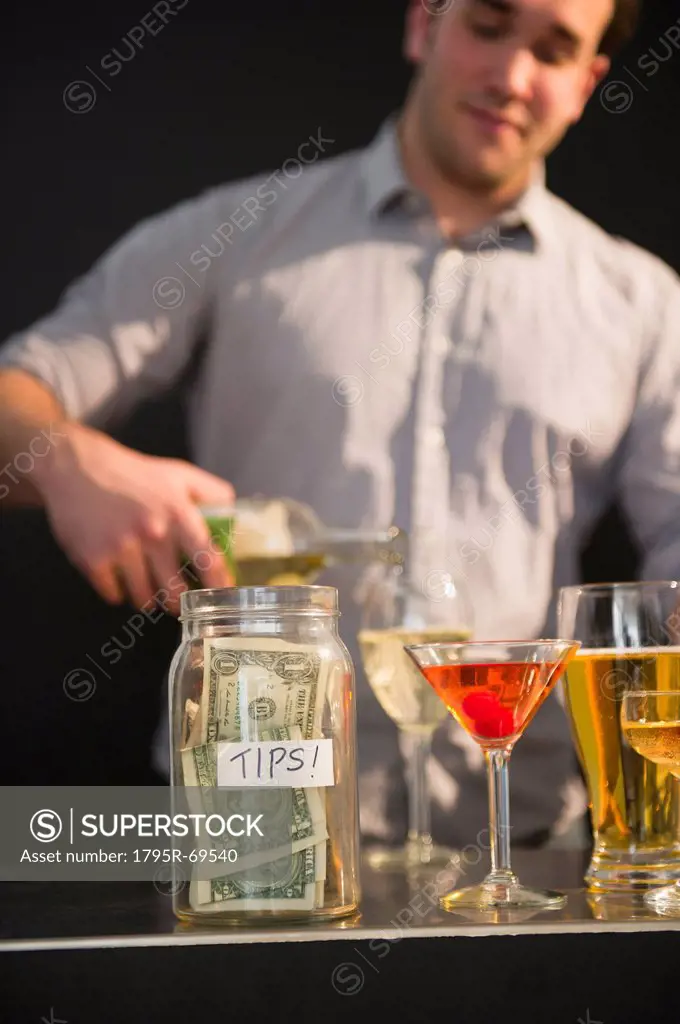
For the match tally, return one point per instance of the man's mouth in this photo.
(491, 121)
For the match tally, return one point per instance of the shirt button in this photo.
(434, 436)
(450, 260)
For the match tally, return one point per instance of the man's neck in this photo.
(458, 210)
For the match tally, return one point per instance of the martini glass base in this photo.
(502, 895)
(664, 901)
(408, 858)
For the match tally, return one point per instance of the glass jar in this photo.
(263, 736)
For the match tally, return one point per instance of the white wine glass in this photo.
(399, 611)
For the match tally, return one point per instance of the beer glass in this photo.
(630, 640)
(651, 723)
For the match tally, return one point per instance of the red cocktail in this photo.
(494, 690)
(492, 701)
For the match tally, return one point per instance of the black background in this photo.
(223, 91)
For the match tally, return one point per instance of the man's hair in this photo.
(622, 26)
(621, 29)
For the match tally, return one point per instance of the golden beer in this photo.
(656, 741)
(634, 803)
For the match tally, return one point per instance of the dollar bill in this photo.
(250, 686)
(293, 819)
(316, 802)
(258, 689)
(192, 731)
(288, 884)
(308, 804)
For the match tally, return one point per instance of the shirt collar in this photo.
(387, 186)
(384, 178)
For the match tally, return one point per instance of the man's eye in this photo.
(552, 55)
(486, 31)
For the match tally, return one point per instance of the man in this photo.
(418, 332)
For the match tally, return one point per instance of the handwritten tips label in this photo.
(295, 763)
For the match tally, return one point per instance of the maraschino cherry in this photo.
(490, 719)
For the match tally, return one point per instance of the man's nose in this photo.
(512, 73)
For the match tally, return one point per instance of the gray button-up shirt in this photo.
(490, 394)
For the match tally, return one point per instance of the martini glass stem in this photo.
(499, 816)
(419, 841)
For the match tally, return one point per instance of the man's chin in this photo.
(486, 169)
(481, 174)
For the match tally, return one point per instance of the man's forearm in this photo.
(30, 420)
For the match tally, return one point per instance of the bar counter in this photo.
(90, 953)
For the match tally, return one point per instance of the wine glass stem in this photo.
(419, 839)
(499, 814)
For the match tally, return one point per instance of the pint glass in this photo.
(630, 637)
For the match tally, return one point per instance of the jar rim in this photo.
(303, 599)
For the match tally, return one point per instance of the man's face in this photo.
(500, 81)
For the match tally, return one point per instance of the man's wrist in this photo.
(58, 441)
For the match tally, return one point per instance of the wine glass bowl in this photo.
(396, 611)
(493, 690)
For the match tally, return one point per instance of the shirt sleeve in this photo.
(650, 468)
(125, 330)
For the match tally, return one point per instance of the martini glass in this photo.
(493, 690)
(650, 720)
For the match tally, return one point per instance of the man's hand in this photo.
(128, 520)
